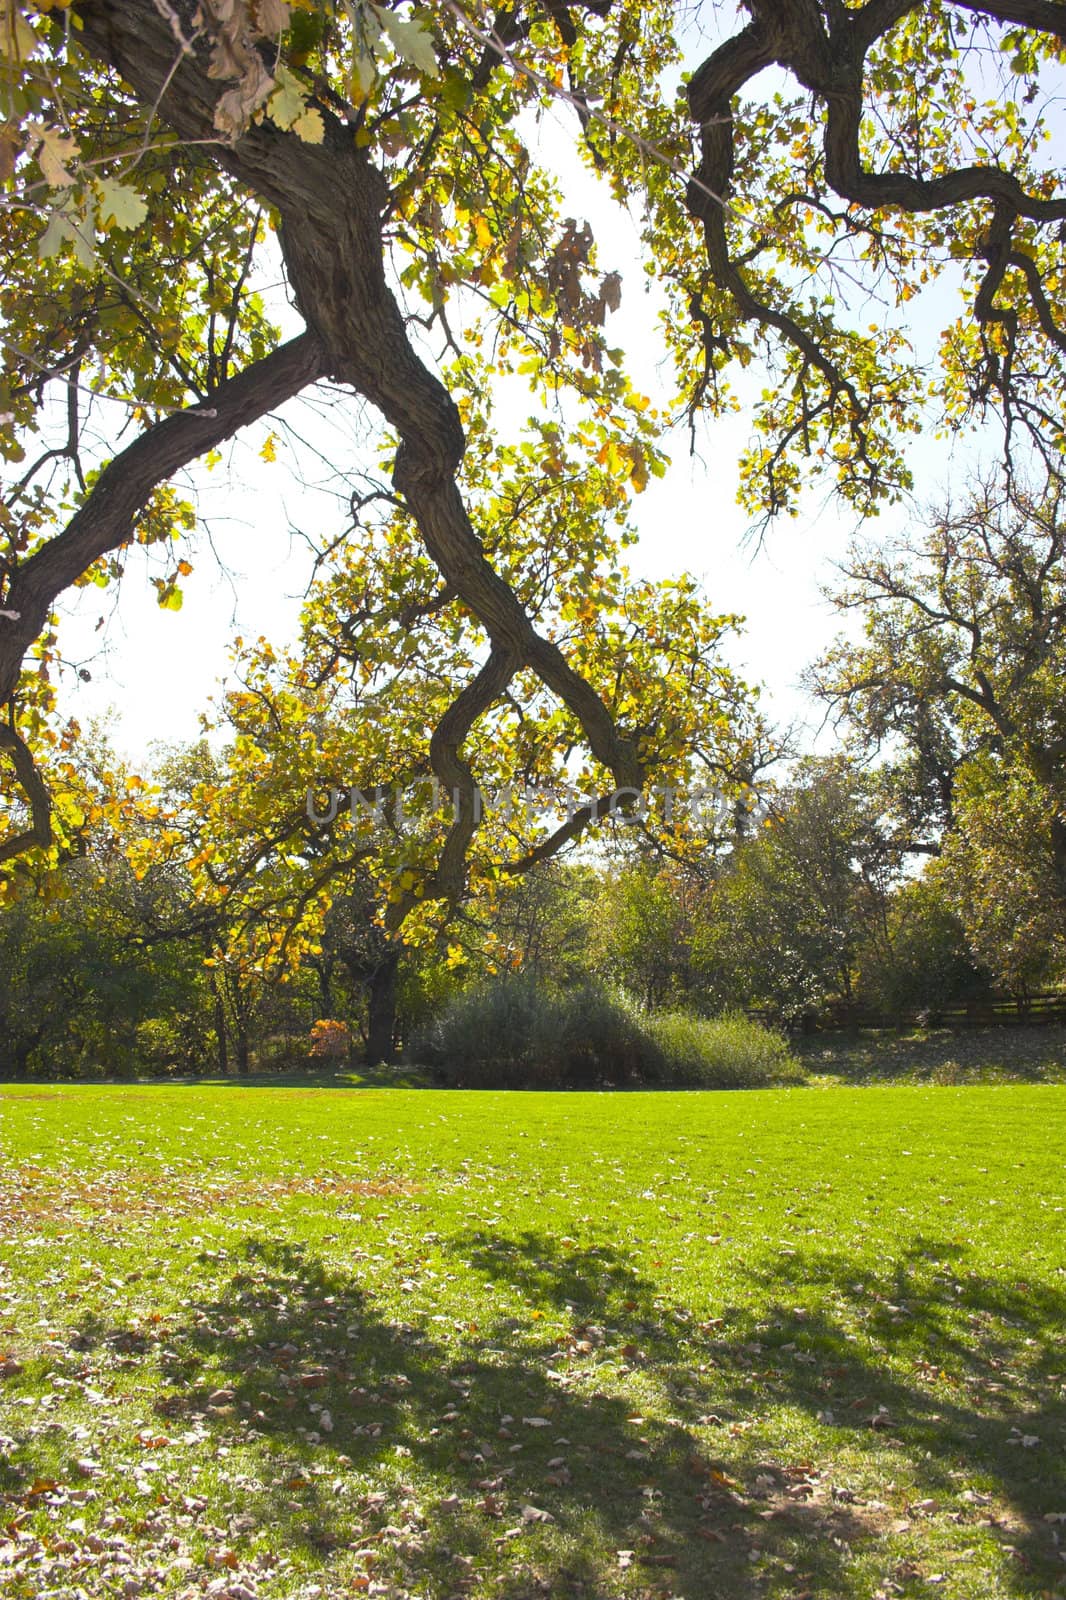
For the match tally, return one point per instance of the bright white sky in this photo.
(153, 671)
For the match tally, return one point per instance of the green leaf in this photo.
(67, 225)
(288, 101)
(412, 43)
(120, 206)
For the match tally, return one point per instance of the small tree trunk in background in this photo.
(381, 1019)
(220, 1028)
(236, 1011)
(22, 1062)
(324, 973)
(20, 1056)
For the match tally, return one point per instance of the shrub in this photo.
(330, 1041)
(513, 1033)
(159, 1043)
(603, 1037)
(730, 1052)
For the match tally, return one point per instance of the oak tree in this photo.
(958, 688)
(824, 162)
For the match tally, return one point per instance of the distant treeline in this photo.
(810, 919)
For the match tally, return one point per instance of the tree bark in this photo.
(324, 974)
(241, 1044)
(221, 1045)
(381, 1018)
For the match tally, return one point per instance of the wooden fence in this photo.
(991, 1011)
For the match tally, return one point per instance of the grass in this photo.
(937, 1055)
(287, 1342)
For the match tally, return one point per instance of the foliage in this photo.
(514, 1032)
(82, 996)
(1002, 866)
(960, 680)
(319, 833)
(924, 962)
(727, 1052)
(642, 933)
(540, 924)
(330, 1040)
(784, 922)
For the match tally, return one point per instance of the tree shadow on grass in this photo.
(426, 1456)
(597, 1280)
(954, 1374)
(1034, 1054)
(477, 1460)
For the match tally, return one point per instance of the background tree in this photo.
(999, 867)
(924, 962)
(642, 934)
(542, 923)
(786, 921)
(84, 994)
(353, 937)
(325, 791)
(959, 685)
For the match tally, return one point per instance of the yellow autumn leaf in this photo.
(309, 126)
(638, 473)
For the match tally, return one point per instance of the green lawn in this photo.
(329, 1342)
(939, 1055)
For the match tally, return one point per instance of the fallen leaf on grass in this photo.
(723, 1479)
(223, 1558)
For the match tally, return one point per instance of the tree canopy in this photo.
(818, 167)
(958, 685)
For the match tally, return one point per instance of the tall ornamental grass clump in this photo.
(514, 1033)
(730, 1052)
